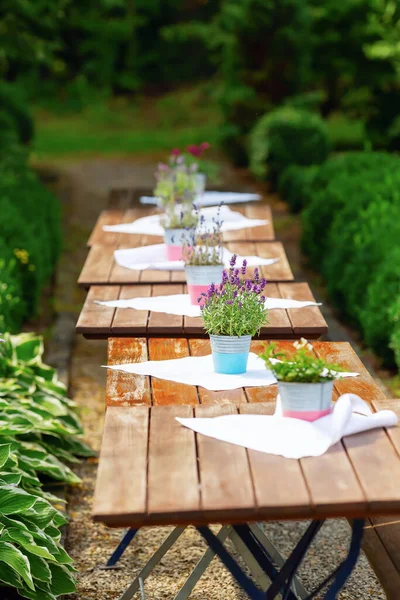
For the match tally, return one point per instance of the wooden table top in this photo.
(115, 216)
(101, 269)
(153, 471)
(99, 322)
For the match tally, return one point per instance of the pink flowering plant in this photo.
(176, 181)
(236, 306)
(202, 245)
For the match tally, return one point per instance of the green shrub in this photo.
(294, 186)
(12, 105)
(350, 181)
(287, 137)
(352, 234)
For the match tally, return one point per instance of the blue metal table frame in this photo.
(274, 575)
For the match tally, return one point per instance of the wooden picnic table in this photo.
(100, 322)
(164, 474)
(100, 267)
(115, 216)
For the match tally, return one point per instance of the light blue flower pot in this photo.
(230, 353)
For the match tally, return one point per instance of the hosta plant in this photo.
(39, 433)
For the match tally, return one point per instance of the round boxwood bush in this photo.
(295, 185)
(287, 136)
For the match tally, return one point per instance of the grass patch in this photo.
(121, 126)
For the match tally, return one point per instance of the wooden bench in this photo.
(100, 267)
(196, 481)
(99, 322)
(115, 216)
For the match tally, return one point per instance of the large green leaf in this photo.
(10, 478)
(39, 567)
(63, 581)
(13, 500)
(26, 541)
(11, 556)
(28, 350)
(4, 454)
(9, 576)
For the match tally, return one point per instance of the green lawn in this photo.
(121, 127)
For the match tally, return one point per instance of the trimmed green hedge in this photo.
(30, 231)
(351, 233)
(287, 136)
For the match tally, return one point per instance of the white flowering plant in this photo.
(301, 366)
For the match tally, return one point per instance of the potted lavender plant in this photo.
(177, 229)
(233, 312)
(202, 253)
(177, 181)
(305, 382)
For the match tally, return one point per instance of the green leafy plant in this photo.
(39, 433)
(236, 307)
(176, 181)
(301, 366)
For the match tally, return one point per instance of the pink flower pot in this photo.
(199, 279)
(174, 239)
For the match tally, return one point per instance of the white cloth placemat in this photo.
(213, 198)
(199, 370)
(151, 225)
(154, 257)
(294, 438)
(179, 304)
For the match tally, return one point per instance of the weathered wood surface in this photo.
(211, 481)
(115, 216)
(100, 267)
(99, 322)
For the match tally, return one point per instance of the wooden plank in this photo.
(169, 392)
(278, 320)
(97, 267)
(95, 318)
(130, 321)
(162, 323)
(251, 234)
(202, 348)
(381, 562)
(100, 268)
(279, 483)
(121, 484)
(132, 239)
(225, 478)
(342, 353)
(127, 389)
(172, 464)
(307, 319)
(113, 216)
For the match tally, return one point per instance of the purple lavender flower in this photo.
(256, 275)
(225, 277)
(248, 285)
(262, 298)
(244, 265)
(263, 283)
(235, 293)
(229, 302)
(240, 304)
(256, 289)
(232, 262)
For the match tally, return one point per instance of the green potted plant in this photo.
(202, 253)
(305, 382)
(233, 312)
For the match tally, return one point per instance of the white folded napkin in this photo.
(199, 370)
(151, 225)
(213, 198)
(294, 438)
(179, 304)
(154, 257)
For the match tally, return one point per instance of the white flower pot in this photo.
(307, 401)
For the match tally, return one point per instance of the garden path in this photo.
(83, 188)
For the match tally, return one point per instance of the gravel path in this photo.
(90, 544)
